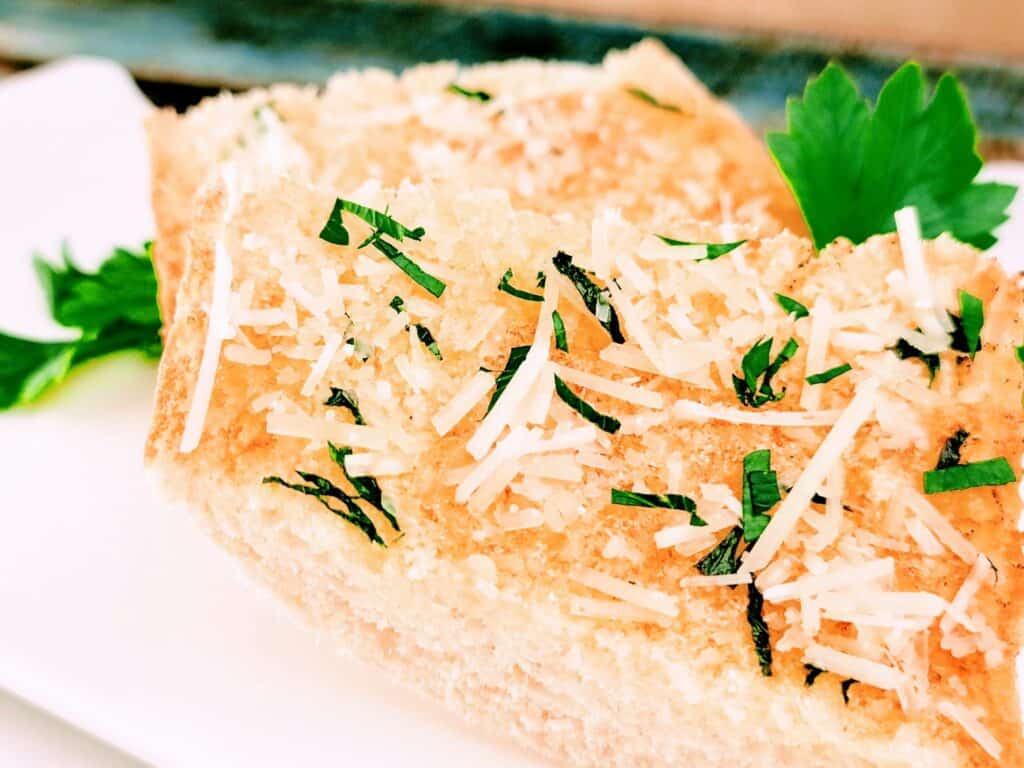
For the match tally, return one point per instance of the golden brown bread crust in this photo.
(590, 692)
(586, 143)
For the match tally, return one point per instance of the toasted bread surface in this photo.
(483, 615)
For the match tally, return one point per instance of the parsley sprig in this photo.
(113, 309)
(852, 165)
(713, 250)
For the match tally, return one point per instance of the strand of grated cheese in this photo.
(375, 464)
(722, 580)
(511, 446)
(332, 342)
(828, 530)
(963, 717)
(980, 574)
(521, 382)
(626, 392)
(636, 327)
(262, 317)
(825, 458)
(690, 410)
(465, 400)
(857, 667)
(538, 402)
(616, 610)
(243, 355)
(817, 352)
(838, 578)
(560, 466)
(923, 537)
(940, 526)
(216, 325)
(492, 488)
(679, 534)
(317, 429)
(651, 599)
(908, 228)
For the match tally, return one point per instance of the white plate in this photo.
(116, 613)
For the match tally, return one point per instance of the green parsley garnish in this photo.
(323, 489)
(906, 351)
(334, 231)
(759, 630)
(476, 95)
(595, 299)
(812, 674)
(658, 501)
(341, 399)
(845, 686)
(606, 423)
(967, 327)
(113, 309)
(367, 487)
(505, 285)
(758, 365)
(792, 306)
(724, 558)
(832, 373)
(423, 333)
(949, 456)
(515, 358)
(542, 279)
(852, 167)
(760, 493)
(714, 250)
(647, 98)
(561, 342)
(974, 475)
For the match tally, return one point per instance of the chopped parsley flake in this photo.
(603, 422)
(595, 299)
(422, 278)
(714, 250)
(723, 559)
(845, 686)
(515, 358)
(1019, 352)
(851, 166)
(950, 454)
(760, 493)
(906, 351)
(812, 674)
(542, 279)
(114, 309)
(974, 475)
(647, 98)
(754, 388)
(659, 501)
(422, 332)
(341, 399)
(832, 373)
(323, 489)
(334, 230)
(505, 285)
(367, 487)
(759, 630)
(967, 327)
(475, 95)
(561, 342)
(792, 306)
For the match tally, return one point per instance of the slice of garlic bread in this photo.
(638, 132)
(555, 550)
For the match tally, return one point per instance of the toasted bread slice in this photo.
(515, 592)
(557, 136)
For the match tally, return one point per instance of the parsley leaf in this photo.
(760, 493)
(714, 250)
(658, 501)
(974, 475)
(759, 630)
(723, 559)
(758, 365)
(341, 399)
(367, 487)
(906, 351)
(647, 98)
(334, 230)
(505, 285)
(967, 327)
(603, 422)
(475, 95)
(832, 373)
(949, 456)
(323, 489)
(422, 278)
(114, 309)
(561, 342)
(423, 333)
(595, 299)
(852, 167)
(792, 306)
(515, 358)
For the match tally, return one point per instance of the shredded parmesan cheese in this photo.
(724, 580)
(860, 669)
(966, 719)
(690, 410)
(627, 392)
(471, 393)
(650, 599)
